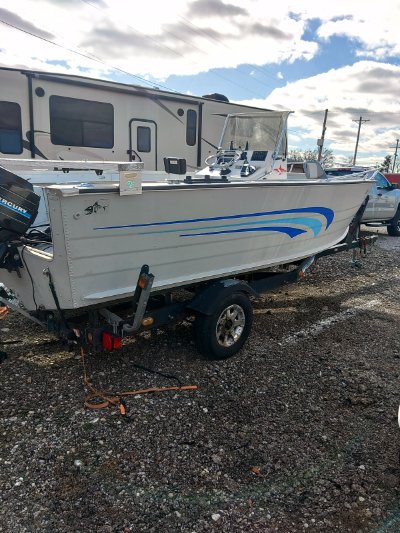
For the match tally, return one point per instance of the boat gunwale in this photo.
(72, 190)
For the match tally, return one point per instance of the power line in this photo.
(86, 55)
(179, 38)
(148, 37)
(96, 59)
(218, 41)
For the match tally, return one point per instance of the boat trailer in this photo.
(221, 308)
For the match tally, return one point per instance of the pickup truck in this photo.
(384, 200)
(393, 177)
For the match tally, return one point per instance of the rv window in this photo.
(76, 122)
(10, 128)
(191, 127)
(143, 139)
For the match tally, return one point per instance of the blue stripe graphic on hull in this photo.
(312, 223)
(292, 232)
(327, 213)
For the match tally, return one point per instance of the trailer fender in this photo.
(207, 300)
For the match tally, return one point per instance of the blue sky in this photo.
(306, 56)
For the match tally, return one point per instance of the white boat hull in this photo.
(185, 233)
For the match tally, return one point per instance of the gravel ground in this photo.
(298, 432)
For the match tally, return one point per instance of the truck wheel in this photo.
(394, 227)
(223, 333)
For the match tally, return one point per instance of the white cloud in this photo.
(368, 89)
(164, 39)
(156, 39)
(374, 25)
(160, 38)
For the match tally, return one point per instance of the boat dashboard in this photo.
(238, 163)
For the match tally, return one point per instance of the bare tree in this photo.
(312, 155)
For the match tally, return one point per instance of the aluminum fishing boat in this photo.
(247, 210)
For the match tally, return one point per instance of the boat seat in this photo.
(313, 170)
(295, 171)
(296, 168)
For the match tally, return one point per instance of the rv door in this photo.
(143, 142)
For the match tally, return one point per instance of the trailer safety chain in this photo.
(98, 399)
(363, 246)
(55, 297)
(3, 314)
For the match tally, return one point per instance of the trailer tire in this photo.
(222, 333)
(393, 228)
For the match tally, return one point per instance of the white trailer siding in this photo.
(76, 118)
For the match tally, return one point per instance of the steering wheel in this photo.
(212, 160)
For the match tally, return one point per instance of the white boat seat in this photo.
(296, 168)
(313, 170)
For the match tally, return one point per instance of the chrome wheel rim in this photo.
(230, 325)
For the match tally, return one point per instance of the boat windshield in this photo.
(253, 131)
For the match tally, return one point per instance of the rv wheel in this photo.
(223, 333)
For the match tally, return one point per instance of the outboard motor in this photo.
(18, 210)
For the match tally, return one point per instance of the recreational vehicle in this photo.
(62, 117)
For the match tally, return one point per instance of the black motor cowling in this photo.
(18, 206)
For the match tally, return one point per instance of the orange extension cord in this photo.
(116, 398)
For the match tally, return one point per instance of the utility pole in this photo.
(395, 153)
(360, 121)
(320, 142)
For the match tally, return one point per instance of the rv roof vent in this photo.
(216, 96)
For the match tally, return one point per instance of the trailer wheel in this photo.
(393, 228)
(222, 334)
